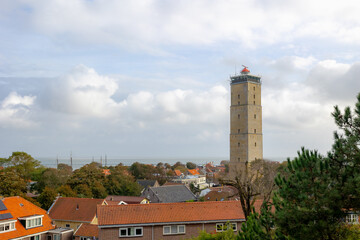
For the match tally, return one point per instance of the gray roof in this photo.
(146, 183)
(2, 206)
(173, 193)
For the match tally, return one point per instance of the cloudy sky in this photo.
(150, 78)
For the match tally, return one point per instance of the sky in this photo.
(150, 78)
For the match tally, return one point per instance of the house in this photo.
(20, 219)
(223, 193)
(199, 181)
(87, 231)
(69, 212)
(147, 183)
(178, 173)
(118, 200)
(193, 172)
(168, 220)
(106, 172)
(168, 194)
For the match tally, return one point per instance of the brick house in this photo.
(87, 231)
(167, 220)
(20, 219)
(69, 212)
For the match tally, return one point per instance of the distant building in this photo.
(124, 200)
(20, 219)
(246, 139)
(69, 212)
(168, 194)
(147, 183)
(173, 221)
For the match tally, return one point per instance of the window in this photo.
(67, 225)
(7, 226)
(86, 238)
(254, 130)
(238, 144)
(254, 116)
(352, 218)
(238, 116)
(238, 103)
(254, 102)
(255, 144)
(37, 237)
(254, 96)
(238, 96)
(238, 130)
(238, 159)
(33, 222)
(254, 88)
(131, 232)
(56, 237)
(174, 229)
(220, 227)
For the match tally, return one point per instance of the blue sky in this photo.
(150, 78)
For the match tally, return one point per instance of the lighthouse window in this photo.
(238, 144)
(238, 103)
(254, 102)
(254, 130)
(254, 88)
(255, 116)
(255, 144)
(238, 116)
(238, 96)
(254, 96)
(238, 130)
(238, 159)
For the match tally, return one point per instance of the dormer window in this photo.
(7, 226)
(32, 221)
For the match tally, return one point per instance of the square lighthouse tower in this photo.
(246, 139)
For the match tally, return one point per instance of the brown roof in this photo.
(87, 230)
(193, 172)
(127, 199)
(19, 207)
(169, 212)
(74, 209)
(177, 172)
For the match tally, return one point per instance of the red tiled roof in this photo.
(106, 172)
(177, 172)
(193, 172)
(74, 209)
(19, 207)
(127, 199)
(169, 212)
(87, 230)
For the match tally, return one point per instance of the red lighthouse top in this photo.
(245, 70)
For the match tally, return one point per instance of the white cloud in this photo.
(149, 23)
(14, 111)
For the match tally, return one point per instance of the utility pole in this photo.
(71, 160)
(57, 161)
(101, 161)
(105, 160)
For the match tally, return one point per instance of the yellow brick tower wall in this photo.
(246, 143)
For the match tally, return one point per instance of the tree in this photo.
(24, 164)
(47, 197)
(11, 184)
(307, 205)
(316, 192)
(253, 181)
(66, 191)
(191, 165)
(87, 181)
(53, 178)
(121, 183)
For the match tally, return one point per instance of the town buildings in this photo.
(69, 212)
(20, 219)
(167, 220)
(168, 194)
(246, 140)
